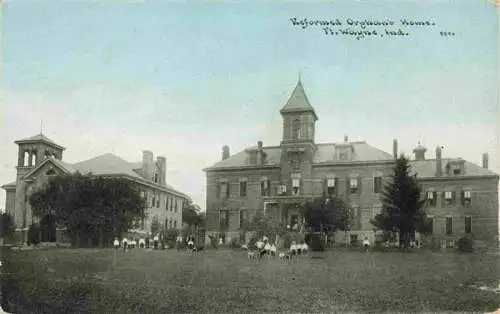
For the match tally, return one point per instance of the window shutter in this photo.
(347, 186)
(227, 190)
(462, 198)
(336, 188)
(217, 192)
(360, 183)
(453, 194)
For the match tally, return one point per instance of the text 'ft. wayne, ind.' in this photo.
(364, 28)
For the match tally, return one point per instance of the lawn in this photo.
(226, 281)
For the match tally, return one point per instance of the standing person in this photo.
(366, 244)
(190, 243)
(116, 243)
(125, 244)
(155, 243)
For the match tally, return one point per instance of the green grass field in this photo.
(226, 281)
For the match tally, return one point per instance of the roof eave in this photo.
(44, 141)
(246, 167)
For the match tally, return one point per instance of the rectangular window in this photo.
(158, 201)
(282, 189)
(265, 187)
(432, 198)
(296, 186)
(171, 204)
(468, 224)
(243, 188)
(449, 225)
(242, 218)
(331, 186)
(377, 184)
(430, 222)
(224, 190)
(176, 204)
(466, 198)
(353, 183)
(153, 201)
(447, 197)
(175, 224)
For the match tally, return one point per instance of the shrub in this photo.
(235, 243)
(317, 244)
(465, 244)
(213, 241)
(34, 234)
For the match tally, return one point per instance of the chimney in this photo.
(439, 167)
(225, 152)
(147, 164)
(346, 138)
(395, 148)
(162, 165)
(485, 160)
(259, 153)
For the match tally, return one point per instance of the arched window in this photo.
(296, 129)
(26, 159)
(34, 159)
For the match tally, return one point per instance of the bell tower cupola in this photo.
(299, 117)
(34, 150)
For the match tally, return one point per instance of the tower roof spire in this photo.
(298, 101)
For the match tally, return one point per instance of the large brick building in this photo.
(461, 197)
(39, 158)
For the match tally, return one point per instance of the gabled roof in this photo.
(106, 164)
(363, 152)
(39, 138)
(240, 159)
(298, 101)
(325, 153)
(427, 168)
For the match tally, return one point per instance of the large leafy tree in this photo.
(403, 209)
(7, 225)
(90, 206)
(327, 213)
(192, 214)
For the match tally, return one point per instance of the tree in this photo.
(327, 213)
(403, 210)
(192, 214)
(155, 226)
(262, 225)
(90, 207)
(7, 225)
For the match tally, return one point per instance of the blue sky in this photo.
(183, 79)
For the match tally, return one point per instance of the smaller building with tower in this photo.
(39, 158)
(461, 197)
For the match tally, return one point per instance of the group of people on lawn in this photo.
(127, 244)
